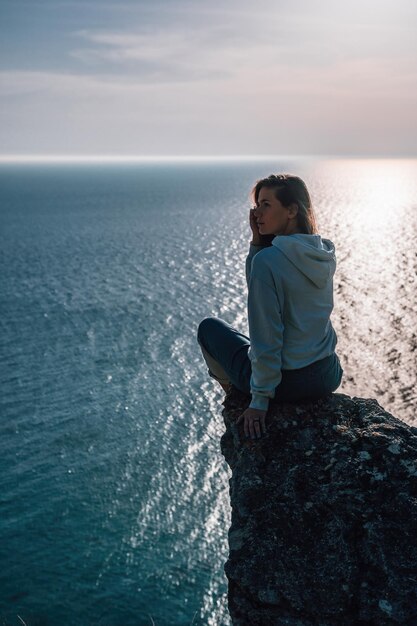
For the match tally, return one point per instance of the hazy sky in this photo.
(208, 77)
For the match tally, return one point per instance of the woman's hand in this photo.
(254, 422)
(256, 236)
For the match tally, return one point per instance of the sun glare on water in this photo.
(384, 187)
(374, 195)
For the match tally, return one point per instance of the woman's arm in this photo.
(266, 331)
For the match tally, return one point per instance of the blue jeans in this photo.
(226, 353)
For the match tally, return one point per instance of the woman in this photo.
(290, 355)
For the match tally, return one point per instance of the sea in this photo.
(114, 501)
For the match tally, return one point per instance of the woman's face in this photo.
(272, 217)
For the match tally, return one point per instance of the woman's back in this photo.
(295, 274)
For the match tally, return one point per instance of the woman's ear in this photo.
(292, 210)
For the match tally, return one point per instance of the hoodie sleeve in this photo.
(252, 251)
(266, 332)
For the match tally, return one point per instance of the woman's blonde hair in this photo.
(290, 189)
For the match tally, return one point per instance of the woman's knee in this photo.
(207, 328)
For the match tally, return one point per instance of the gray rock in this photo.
(324, 516)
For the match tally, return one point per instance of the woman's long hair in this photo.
(290, 189)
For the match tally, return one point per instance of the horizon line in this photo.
(121, 158)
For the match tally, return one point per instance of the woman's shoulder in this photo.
(268, 260)
(266, 254)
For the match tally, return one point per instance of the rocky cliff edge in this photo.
(324, 516)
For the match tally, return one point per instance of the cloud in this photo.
(210, 41)
(215, 79)
(121, 47)
(256, 102)
(157, 57)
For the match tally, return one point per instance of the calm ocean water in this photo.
(114, 495)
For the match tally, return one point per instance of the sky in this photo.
(232, 77)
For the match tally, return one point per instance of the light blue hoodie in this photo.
(290, 299)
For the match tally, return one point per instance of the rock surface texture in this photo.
(324, 516)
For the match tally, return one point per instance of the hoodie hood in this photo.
(310, 254)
